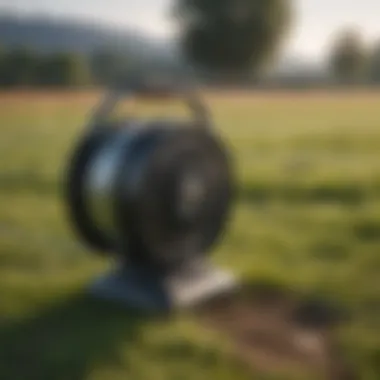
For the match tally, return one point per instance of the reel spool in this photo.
(156, 195)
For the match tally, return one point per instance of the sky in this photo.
(316, 20)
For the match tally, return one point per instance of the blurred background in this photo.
(292, 85)
(295, 44)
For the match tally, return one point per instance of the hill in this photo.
(48, 35)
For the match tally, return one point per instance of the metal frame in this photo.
(200, 114)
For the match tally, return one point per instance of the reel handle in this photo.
(200, 114)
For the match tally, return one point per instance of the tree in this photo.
(375, 64)
(19, 67)
(78, 72)
(64, 70)
(105, 65)
(349, 57)
(110, 66)
(232, 36)
(2, 66)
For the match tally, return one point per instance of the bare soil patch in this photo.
(274, 332)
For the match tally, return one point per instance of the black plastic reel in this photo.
(160, 229)
(152, 228)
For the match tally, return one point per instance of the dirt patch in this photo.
(275, 332)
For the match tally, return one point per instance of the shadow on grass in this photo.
(67, 341)
(22, 182)
(347, 194)
(367, 230)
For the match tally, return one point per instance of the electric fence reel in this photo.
(154, 195)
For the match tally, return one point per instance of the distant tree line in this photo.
(24, 67)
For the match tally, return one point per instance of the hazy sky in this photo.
(316, 19)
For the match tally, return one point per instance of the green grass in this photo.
(307, 216)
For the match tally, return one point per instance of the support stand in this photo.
(144, 289)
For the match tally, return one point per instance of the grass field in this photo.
(307, 218)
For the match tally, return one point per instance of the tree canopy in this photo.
(232, 35)
(18, 67)
(374, 67)
(349, 57)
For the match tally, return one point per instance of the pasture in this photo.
(307, 219)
